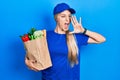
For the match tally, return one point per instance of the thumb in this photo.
(72, 32)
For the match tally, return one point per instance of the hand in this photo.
(78, 28)
(30, 65)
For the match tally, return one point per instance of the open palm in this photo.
(78, 28)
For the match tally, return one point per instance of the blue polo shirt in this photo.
(61, 69)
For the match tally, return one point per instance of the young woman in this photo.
(64, 45)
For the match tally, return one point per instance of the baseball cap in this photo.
(61, 7)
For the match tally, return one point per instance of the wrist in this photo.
(85, 30)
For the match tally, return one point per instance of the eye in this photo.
(62, 16)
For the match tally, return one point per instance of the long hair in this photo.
(72, 48)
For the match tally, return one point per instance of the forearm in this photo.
(94, 37)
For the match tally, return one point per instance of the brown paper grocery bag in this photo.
(37, 50)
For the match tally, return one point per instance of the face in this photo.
(63, 20)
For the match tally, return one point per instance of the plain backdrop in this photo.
(98, 61)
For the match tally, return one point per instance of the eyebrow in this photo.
(65, 14)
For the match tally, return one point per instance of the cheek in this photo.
(61, 21)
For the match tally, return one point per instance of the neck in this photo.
(59, 30)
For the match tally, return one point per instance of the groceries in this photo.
(36, 48)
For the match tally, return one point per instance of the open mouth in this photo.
(66, 24)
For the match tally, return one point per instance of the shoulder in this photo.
(49, 32)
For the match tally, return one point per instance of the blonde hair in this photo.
(55, 17)
(72, 49)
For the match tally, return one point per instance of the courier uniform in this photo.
(61, 69)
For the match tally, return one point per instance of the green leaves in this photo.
(32, 34)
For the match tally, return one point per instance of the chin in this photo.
(65, 30)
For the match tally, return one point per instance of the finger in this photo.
(72, 32)
(72, 20)
(33, 68)
(75, 19)
(80, 21)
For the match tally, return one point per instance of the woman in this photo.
(64, 45)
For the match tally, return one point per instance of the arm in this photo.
(93, 36)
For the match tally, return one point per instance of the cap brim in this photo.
(72, 11)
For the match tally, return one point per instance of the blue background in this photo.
(98, 61)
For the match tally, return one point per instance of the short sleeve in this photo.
(81, 39)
